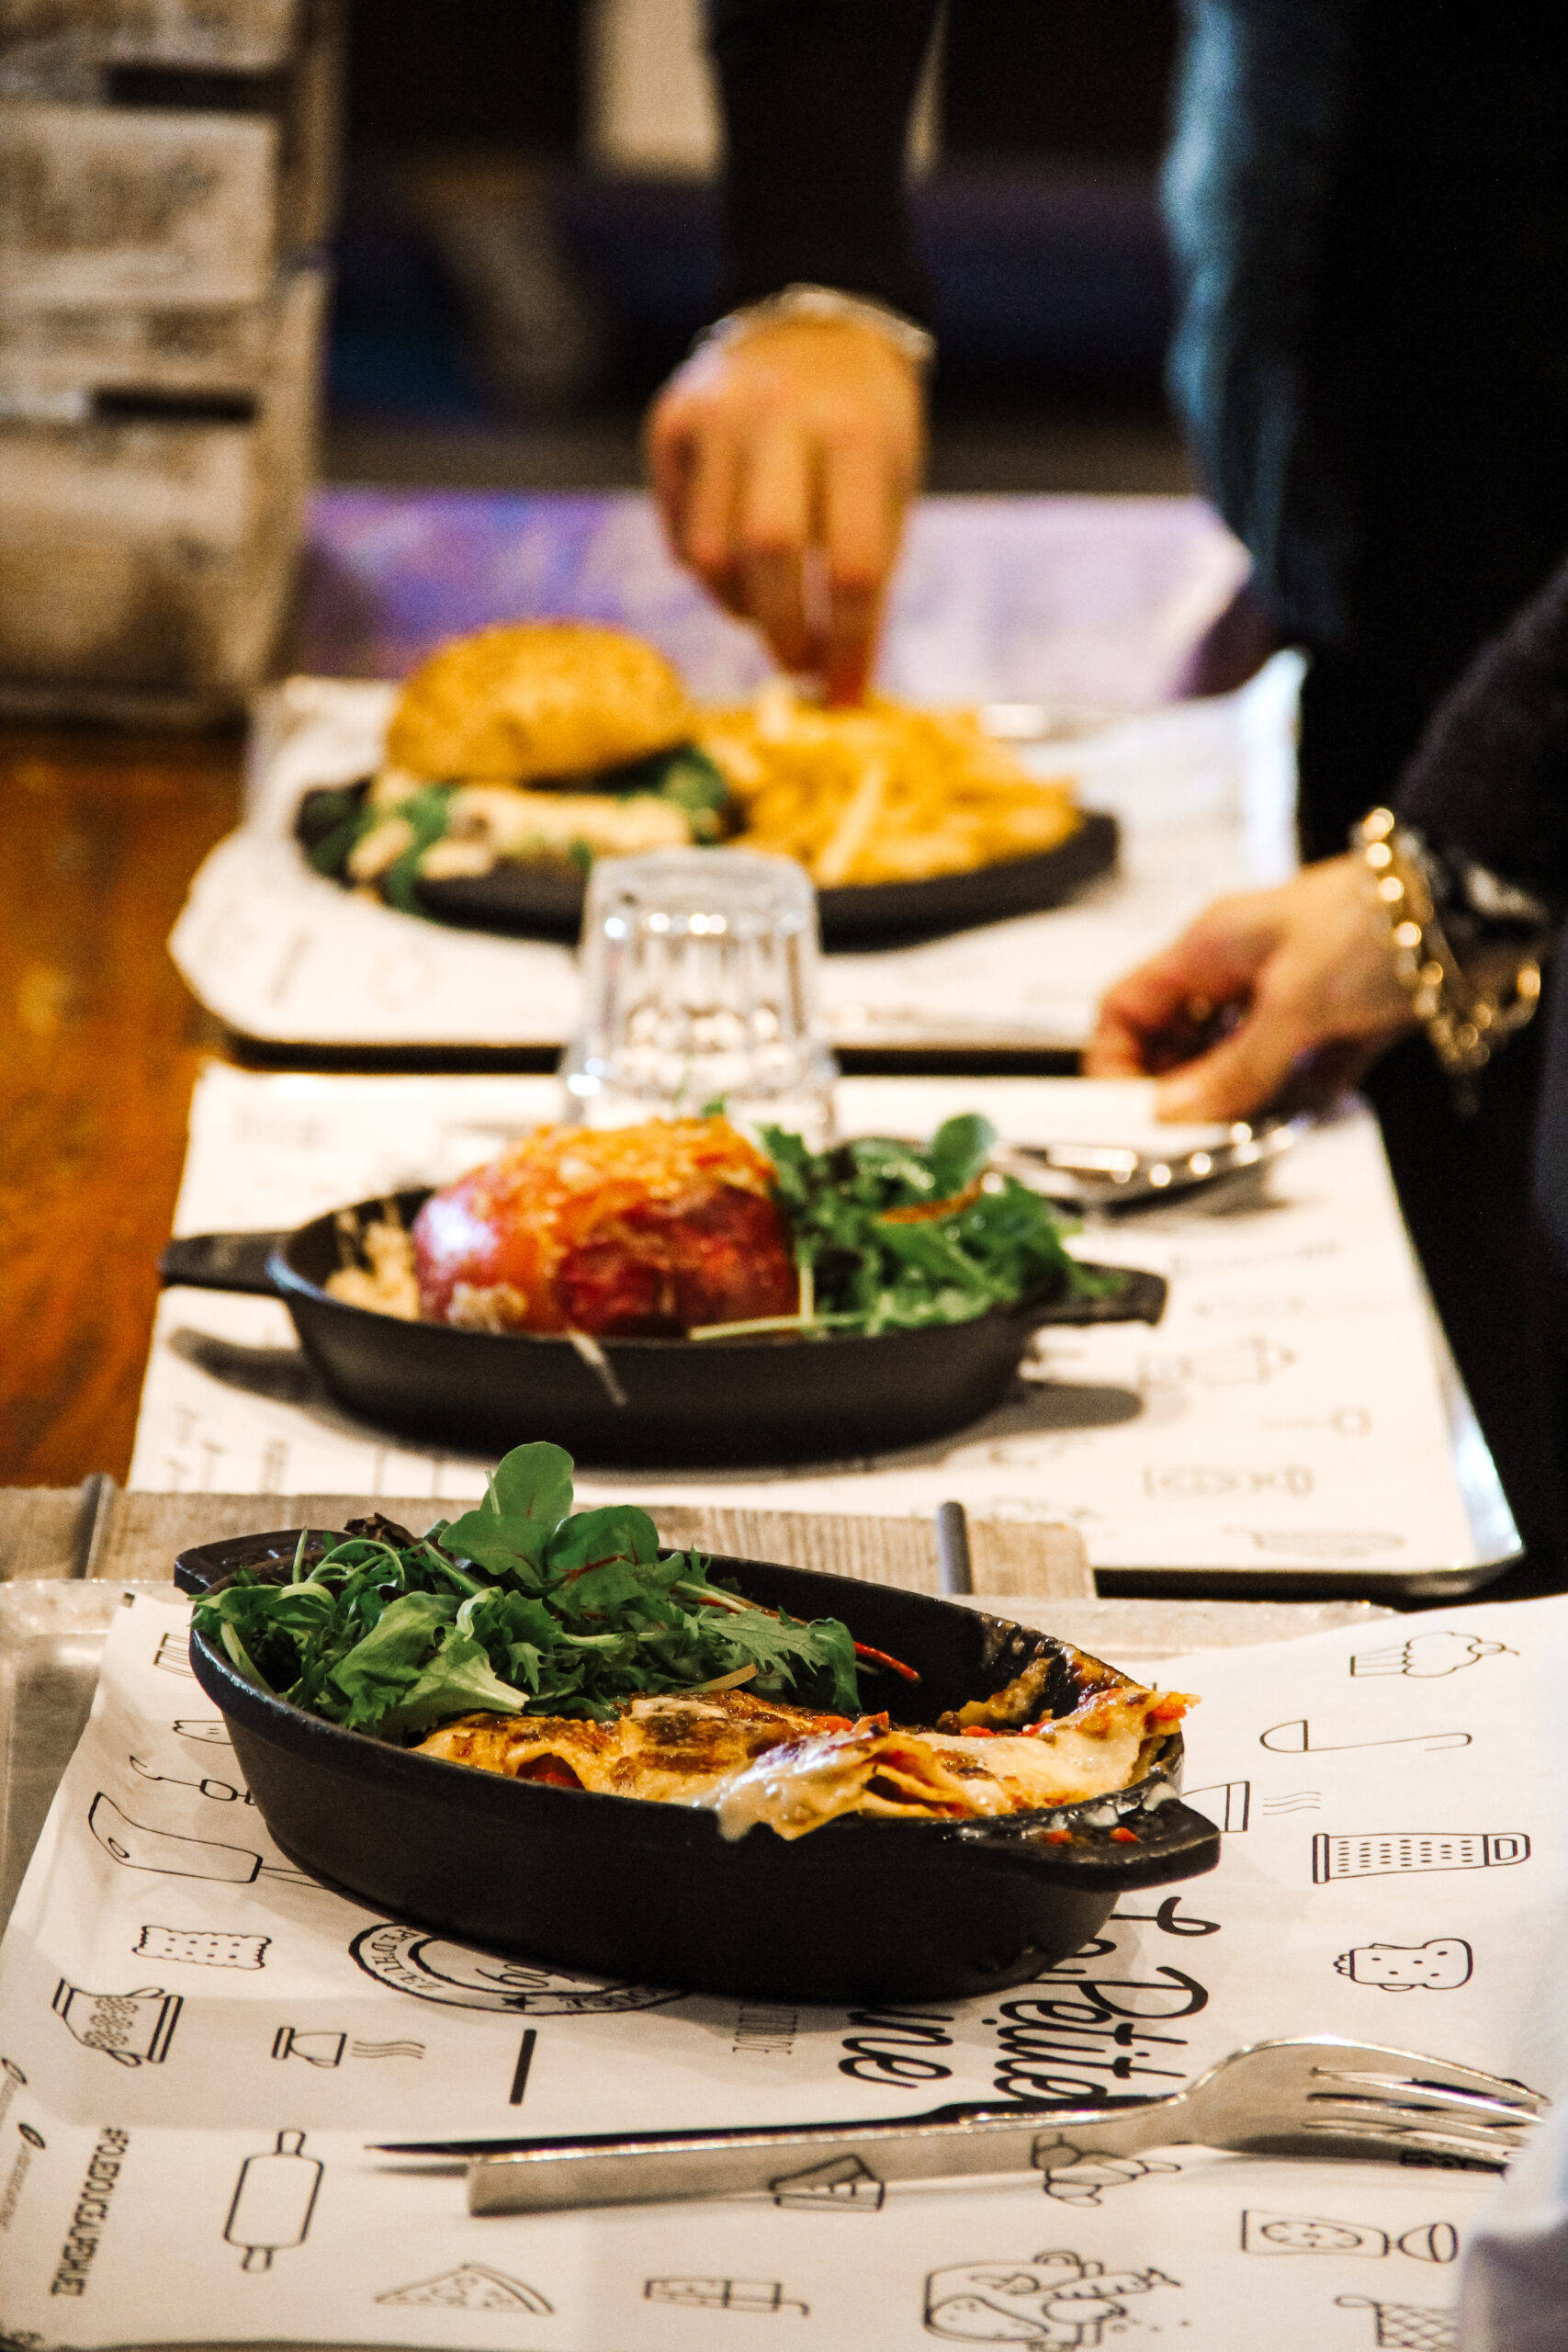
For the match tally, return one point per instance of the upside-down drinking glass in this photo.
(699, 985)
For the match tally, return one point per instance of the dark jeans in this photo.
(1548, 1263)
(1369, 217)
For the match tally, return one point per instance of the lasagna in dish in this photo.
(753, 1761)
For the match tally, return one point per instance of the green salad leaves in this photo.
(332, 822)
(523, 1606)
(893, 1236)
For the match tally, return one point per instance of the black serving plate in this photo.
(673, 1403)
(862, 1910)
(545, 901)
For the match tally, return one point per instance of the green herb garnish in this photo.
(990, 1242)
(520, 1607)
(334, 823)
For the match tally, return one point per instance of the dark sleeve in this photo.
(1490, 778)
(815, 98)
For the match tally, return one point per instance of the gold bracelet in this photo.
(819, 304)
(1466, 1021)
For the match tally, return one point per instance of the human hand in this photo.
(1303, 975)
(782, 463)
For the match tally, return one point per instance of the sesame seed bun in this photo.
(528, 700)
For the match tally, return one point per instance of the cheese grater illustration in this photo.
(274, 2199)
(133, 2029)
(1406, 2327)
(1391, 1853)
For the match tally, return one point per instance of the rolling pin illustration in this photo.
(140, 1848)
(274, 2199)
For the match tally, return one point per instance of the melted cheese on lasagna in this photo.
(672, 1747)
(752, 1760)
(1104, 1744)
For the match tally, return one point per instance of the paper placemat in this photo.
(1287, 1412)
(1081, 600)
(197, 2043)
(1203, 792)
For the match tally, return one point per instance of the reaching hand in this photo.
(782, 463)
(1302, 976)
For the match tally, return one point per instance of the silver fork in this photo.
(1317, 2097)
(1101, 1175)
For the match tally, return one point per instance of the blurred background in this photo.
(527, 240)
(247, 245)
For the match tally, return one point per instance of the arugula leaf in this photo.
(779, 1644)
(553, 1614)
(377, 1670)
(528, 1496)
(618, 1531)
(459, 1681)
(869, 1274)
(958, 1151)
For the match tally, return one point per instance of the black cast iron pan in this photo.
(543, 901)
(862, 1910)
(675, 1403)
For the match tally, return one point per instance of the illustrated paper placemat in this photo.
(197, 2044)
(1287, 1412)
(1203, 792)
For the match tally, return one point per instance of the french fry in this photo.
(883, 794)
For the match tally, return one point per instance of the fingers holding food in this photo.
(1291, 980)
(794, 446)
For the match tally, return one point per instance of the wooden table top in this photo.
(99, 1046)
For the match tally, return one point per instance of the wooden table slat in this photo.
(1040, 1574)
(147, 1529)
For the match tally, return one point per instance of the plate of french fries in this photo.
(519, 755)
(906, 819)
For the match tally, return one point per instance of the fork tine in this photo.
(1494, 2149)
(1418, 2097)
(1409, 2066)
(1332, 2113)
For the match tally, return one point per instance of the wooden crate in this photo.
(101, 206)
(233, 36)
(146, 562)
(168, 348)
(166, 169)
(124, 186)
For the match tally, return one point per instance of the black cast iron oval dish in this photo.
(545, 900)
(684, 1403)
(862, 1910)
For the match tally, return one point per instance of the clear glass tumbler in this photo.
(699, 985)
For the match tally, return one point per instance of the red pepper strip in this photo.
(1125, 1836)
(1058, 1837)
(863, 1649)
(978, 1731)
(880, 1657)
(552, 1769)
(923, 1211)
